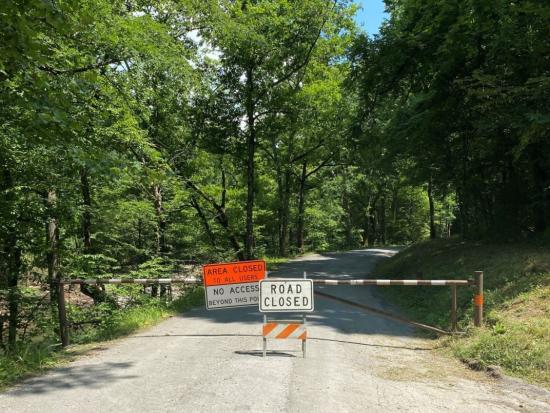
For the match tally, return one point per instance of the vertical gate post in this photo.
(304, 323)
(62, 311)
(478, 299)
(453, 308)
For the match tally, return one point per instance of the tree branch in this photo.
(75, 70)
(321, 165)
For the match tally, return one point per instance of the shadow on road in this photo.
(412, 348)
(66, 378)
(269, 353)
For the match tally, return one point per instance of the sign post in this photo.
(233, 284)
(286, 295)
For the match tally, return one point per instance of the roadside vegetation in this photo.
(516, 334)
(44, 352)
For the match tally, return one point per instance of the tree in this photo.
(262, 50)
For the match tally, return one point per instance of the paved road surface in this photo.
(211, 362)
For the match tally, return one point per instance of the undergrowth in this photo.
(41, 354)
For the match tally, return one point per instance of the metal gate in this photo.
(476, 283)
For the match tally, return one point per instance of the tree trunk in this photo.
(221, 217)
(12, 257)
(13, 253)
(394, 201)
(462, 189)
(52, 240)
(251, 149)
(432, 209)
(140, 230)
(301, 209)
(195, 204)
(371, 221)
(347, 212)
(87, 213)
(365, 234)
(161, 230)
(540, 202)
(383, 233)
(96, 293)
(285, 212)
(161, 219)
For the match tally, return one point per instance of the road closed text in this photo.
(291, 295)
(285, 302)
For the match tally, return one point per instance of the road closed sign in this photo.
(233, 284)
(288, 295)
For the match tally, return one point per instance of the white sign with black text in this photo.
(231, 295)
(286, 295)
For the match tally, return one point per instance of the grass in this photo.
(516, 335)
(33, 358)
(273, 263)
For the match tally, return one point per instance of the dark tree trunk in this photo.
(221, 217)
(98, 294)
(432, 209)
(140, 230)
(540, 179)
(394, 205)
(301, 208)
(52, 240)
(285, 212)
(280, 213)
(462, 211)
(13, 253)
(87, 213)
(371, 221)
(161, 219)
(2, 345)
(347, 212)
(250, 170)
(11, 264)
(195, 204)
(365, 236)
(383, 219)
(161, 231)
(462, 192)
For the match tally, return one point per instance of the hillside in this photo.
(516, 335)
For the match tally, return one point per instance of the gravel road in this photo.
(210, 361)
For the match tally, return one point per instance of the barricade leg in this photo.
(304, 320)
(264, 339)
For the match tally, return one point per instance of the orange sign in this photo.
(233, 272)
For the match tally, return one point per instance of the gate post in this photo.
(453, 308)
(478, 299)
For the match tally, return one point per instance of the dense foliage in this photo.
(457, 94)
